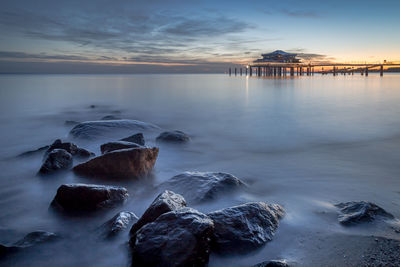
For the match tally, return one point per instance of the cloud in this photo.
(21, 55)
(300, 13)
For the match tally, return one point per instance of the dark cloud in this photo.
(22, 55)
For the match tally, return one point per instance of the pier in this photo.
(281, 64)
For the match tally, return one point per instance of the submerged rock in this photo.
(177, 238)
(165, 202)
(30, 240)
(71, 123)
(117, 145)
(273, 263)
(34, 152)
(173, 136)
(245, 227)
(110, 117)
(131, 163)
(71, 148)
(95, 129)
(136, 138)
(358, 212)
(57, 159)
(88, 197)
(118, 223)
(202, 186)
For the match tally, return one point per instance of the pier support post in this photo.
(235, 71)
(240, 71)
(291, 71)
(334, 71)
(274, 71)
(230, 71)
(381, 71)
(366, 71)
(251, 71)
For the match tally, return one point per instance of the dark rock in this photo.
(176, 238)
(71, 148)
(87, 197)
(273, 263)
(136, 138)
(245, 227)
(71, 123)
(117, 145)
(164, 202)
(34, 152)
(58, 159)
(118, 223)
(131, 163)
(202, 186)
(173, 136)
(92, 106)
(357, 212)
(110, 117)
(30, 240)
(95, 129)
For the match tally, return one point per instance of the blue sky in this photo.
(194, 36)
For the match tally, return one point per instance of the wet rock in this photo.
(202, 186)
(34, 152)
(92, 106)
(177, 238)
(95, 129)
(71, 123)
(71, 148)
(30, 240)
(273, 263)
(131, 163)
(165, 202)
(117, 224)
(117, 145)
(173, 136)
(136, 138)
(58, 159)
(245, 227)
(110, 117)
(358, 212)
(88, 197)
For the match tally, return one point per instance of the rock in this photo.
(131, 163)
(88, 197)
(136, 138)
(58, 159)
(33, 152)
(71, 148)
(358, 212)
(110, 117)
(30, 240)
(273, 263)
(92, 106)
(118, 223)
(165, 202)
(173, 136)
(245, 227)
(117, 145)
(71, 123)
(95, 129)
(176, 238)
(202, 186)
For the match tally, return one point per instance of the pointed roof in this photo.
(279, 52)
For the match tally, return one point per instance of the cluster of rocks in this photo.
(171, 234)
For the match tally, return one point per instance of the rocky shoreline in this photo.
(170, 232)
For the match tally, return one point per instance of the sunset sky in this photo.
(104, 36)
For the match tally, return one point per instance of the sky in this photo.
(192, 36)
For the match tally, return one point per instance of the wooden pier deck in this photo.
(299, 69)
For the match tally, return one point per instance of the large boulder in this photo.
(110, 117)
(58, 159)
(165, 202)
(136, 138)
(117, 224)
(71, 148)
(245, 227)
(96, 129)
(202, 186)
(272, 263)
(131, 163)
(88, 197)
(358, 212)
(30, 240)
(117, 145)
(173, 136)
(177, 238)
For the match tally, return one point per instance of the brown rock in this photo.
(130, 163)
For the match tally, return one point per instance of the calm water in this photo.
(304, 142)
